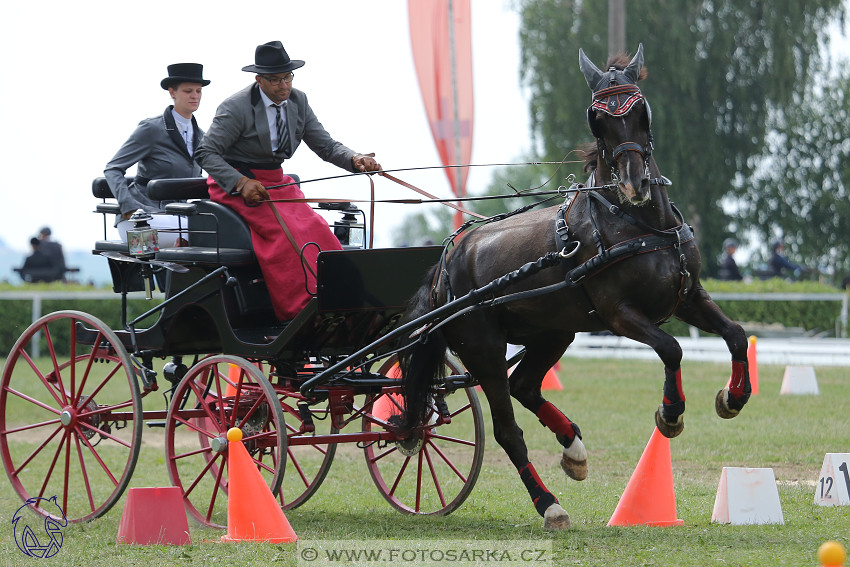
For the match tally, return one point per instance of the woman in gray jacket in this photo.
(163, 147)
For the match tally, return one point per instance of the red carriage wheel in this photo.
(433, 471)
(218, 393)
(308, 462)
(70, 417)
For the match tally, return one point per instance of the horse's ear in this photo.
(636, 64)
(592, 74)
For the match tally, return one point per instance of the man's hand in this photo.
(365, 162)
(253, 192)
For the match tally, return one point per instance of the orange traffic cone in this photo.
(649, 498)
(253, 514)
(753, 365)
(550, 381)
(389, 405)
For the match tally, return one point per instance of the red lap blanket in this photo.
(279, 261)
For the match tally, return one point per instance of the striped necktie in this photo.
(282, 131)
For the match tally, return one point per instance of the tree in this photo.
(716, 70)
(799, 189)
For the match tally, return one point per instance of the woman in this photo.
(162, 147)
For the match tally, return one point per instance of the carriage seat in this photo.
(217, 234)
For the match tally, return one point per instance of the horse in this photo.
(627, 262)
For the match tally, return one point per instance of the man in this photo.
(252, 133)
(52, 250)
(728, 267)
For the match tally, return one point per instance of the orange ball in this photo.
(234, 434)
(831, 554)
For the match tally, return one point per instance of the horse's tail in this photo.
(423, 363)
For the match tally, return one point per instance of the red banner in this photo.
(441, 38)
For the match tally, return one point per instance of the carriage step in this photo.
(153, 424)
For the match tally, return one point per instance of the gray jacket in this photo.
(239, 137)
(160, 152)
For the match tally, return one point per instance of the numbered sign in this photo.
(833, 487)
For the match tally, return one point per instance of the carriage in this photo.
(71, 421)
(615, 255)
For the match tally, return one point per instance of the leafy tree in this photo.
(717, 69)
(800, 191)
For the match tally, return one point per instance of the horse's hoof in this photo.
(667, 428)
(556, 518)
(574, 460)
(721, 405)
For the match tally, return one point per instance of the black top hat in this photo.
(184, 73)
(271, 58)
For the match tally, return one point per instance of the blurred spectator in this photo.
(728, 269)
(52, 250)
(779, 265)
(38, 266)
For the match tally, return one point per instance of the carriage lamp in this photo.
(142, 238)
(349, 230)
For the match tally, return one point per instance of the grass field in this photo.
(613, 402)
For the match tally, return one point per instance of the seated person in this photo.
(163, 147)
(252, 133)
(38, 266)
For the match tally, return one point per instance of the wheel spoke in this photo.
(448, 461)
(85, 474)
(42, 378)
(35, 453)
(434, 476)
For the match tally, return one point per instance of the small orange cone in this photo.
(253, 514)
(550, 381)
(753, 365)
(649, 498)
(389, 405)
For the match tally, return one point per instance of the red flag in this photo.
(441, 38)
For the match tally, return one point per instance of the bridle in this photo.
(617, 101)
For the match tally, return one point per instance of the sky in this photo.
(79, 76)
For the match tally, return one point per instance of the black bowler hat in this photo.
(184, 73)
(271, 58)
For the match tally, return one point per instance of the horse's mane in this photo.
(589, 150)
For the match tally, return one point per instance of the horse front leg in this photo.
(701, 312)
(630, 322)
(540, 355)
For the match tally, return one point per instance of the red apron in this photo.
(279, 261)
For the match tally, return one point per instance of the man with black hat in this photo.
(252, 133)
(163, 147)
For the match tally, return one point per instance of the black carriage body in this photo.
(220, 303)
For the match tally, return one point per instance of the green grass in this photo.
(613, 402)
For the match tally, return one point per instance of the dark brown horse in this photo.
(636, 264)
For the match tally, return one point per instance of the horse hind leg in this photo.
(492, 376)
(525, 383)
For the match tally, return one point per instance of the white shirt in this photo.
(271, 116)
(184, 126)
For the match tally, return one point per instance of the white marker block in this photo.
(747, 496)
(799, 380)
(833, 487)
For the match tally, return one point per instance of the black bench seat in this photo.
(207, 256)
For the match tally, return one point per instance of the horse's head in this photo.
(619, 118)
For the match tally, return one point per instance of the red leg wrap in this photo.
(541, 497)
(739, 383)
(551, 417)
